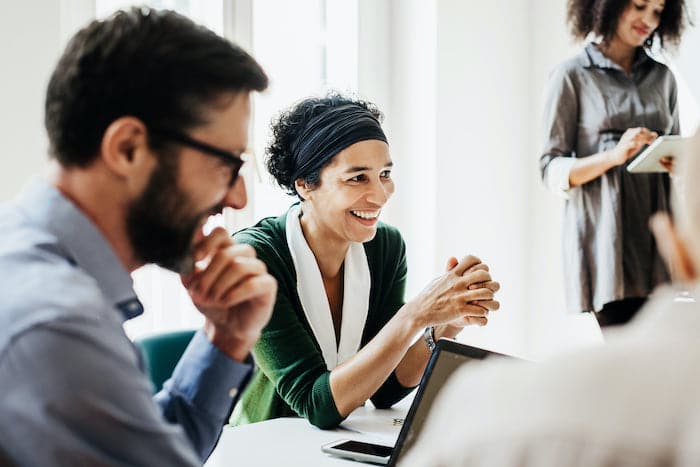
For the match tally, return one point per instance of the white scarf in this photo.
(314, 301)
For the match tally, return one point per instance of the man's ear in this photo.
(672, 248)
(124, 147)
(303, 188)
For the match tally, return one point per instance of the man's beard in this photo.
(158, 225)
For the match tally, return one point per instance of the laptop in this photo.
(447, 356)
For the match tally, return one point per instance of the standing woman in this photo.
(341, 332)
(602, 106)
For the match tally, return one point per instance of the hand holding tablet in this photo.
(631, 142)
(658, 156)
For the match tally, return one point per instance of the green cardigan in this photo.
(291, 377)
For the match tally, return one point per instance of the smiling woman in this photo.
(348, 199)
(602, 107)
(342, 332)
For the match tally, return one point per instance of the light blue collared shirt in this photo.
(72, 385)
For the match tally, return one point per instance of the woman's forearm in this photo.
(412, 366)
(463, 294)
(357, 379)
(589, 168)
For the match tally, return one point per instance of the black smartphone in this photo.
(359, 451)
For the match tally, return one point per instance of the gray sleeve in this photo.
(541, 450)
(507, 413)
(559, 126)
(673, 105)
(75, 386)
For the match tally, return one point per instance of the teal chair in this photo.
(161, 354)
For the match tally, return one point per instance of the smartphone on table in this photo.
(359, 451)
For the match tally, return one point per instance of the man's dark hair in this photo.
(601, 17)
(157, 66)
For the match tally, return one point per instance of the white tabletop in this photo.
(295, 442)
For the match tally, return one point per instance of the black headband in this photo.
(329, 133)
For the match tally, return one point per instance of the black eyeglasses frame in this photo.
(228, 157)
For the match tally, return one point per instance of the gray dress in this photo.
(609, 252)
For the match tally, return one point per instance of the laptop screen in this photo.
(447, 356)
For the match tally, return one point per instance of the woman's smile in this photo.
(642, 31)
(364, 217)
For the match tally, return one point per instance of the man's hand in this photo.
(672, 249)
(233, 290)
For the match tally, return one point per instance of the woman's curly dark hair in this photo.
(601, 16)
(285, 129)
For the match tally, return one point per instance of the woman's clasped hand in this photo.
(462, 296)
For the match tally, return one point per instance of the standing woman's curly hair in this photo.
(601, 16)
(306, 136)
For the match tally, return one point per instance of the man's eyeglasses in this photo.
(236, 162)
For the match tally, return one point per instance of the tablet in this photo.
(648, 159)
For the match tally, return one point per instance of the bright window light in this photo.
(306, 47)
(209, 13)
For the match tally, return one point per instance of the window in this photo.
(306, 47)
(209, 13)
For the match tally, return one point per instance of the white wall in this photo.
(30, 36)
(687, 69)
(549, 328)
(463, 112)
(483, 157)
(412, 121)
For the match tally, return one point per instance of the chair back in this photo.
(161, 354)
